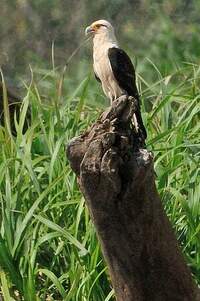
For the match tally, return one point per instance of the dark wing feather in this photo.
(97, 78)
(124, 73)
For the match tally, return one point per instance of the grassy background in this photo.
(48, 246)
(167, 32)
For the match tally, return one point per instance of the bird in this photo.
(113, 68)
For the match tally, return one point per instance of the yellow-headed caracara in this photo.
(113, 68)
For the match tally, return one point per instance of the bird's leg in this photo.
(111, 97)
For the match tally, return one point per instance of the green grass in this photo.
(48, 246)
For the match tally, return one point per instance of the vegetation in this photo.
(164, 31)
(48, 247)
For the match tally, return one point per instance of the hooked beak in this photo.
(89, 30)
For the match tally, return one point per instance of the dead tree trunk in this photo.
(116, 176)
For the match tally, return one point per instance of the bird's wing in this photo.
(97, 78)
(124, 73)
(123, 70)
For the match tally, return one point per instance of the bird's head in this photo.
(100, 27)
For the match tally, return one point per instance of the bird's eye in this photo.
(97, 26)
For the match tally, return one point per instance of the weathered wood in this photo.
(116, 176)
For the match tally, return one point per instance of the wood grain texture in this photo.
(116, 176)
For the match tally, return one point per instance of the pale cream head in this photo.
(100, 28)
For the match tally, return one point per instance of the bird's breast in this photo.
(102, 64)
(103, 70)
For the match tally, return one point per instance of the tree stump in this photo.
(116, 175)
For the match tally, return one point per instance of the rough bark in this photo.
(116, 176)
